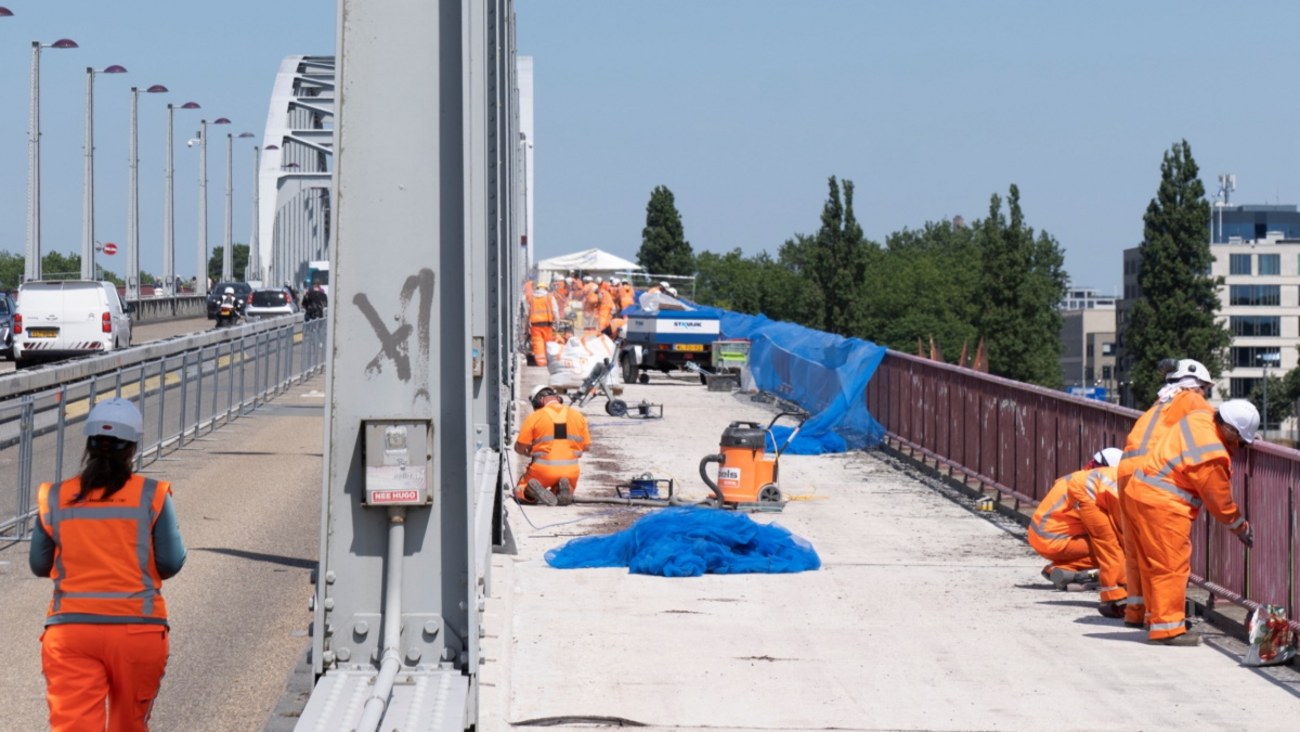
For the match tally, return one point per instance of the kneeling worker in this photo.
(555, 436)
(1058, 533)
(1096, 500)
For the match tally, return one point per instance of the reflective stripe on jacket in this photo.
(1189, 468)
(1151, 428)
(103, 555)
(541, 309)
(1055, 518)
(541, 434)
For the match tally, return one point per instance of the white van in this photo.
(62, 319)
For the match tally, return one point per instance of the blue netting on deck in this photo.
(688, 541)
(825, 374)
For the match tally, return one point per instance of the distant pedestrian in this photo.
(108, 538)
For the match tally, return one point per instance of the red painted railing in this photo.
(1016, 439)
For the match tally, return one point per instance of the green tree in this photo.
(924, 285)
(664, 249)
(755, 286)
(12, 268)
(834, 261)
(1175, 316)
(240, 252)
(56, 266)
(1021, 284)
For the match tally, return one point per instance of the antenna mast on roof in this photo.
(1227, 184)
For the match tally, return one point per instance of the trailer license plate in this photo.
(688, 346)
(42, 333)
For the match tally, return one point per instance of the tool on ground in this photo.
(597, 383)
(646, 486)
(747, 478)
(646, 410)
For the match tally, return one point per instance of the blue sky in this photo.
(223, 56)
(745, 108)
(742, 108)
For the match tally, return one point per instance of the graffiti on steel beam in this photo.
(395, 345)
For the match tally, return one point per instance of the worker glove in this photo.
(1245, 533)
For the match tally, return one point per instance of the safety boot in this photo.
(537, 493)
(1061, 579)
(564, 493)
(1190, 638)
(1111, 608)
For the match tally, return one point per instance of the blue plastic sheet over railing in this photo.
(825, 374)
(688, 541)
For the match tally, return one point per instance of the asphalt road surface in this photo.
(148, 332)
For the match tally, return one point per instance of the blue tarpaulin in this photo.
(825, 374)
(688, 541)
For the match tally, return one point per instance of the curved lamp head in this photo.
(156, 89)
(114, 69)
(221, 121)
(64, 43)
(191, 105)
(5, 12)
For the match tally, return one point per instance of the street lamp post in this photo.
(133, 204)
(1266, 359)
(254, 269)
(169, 206)
(33, 267)
(88, 187)
(201, 277)
(228, 253)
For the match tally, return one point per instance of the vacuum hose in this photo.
(704, 475)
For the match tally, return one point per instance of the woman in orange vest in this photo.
(1096, 502)
(555, 436)
(1184, 392)
(1191, 467)
(108, 538)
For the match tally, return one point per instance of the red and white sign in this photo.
(393, 497)
(110, 248)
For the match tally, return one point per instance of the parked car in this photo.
(58, 319)
(7, 309)
(269, 303)
(242, 291)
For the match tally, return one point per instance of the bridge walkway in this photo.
(926, 614)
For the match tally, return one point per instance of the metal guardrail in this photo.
(185, 387)
(1015, 439)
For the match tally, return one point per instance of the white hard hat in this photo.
(587, 278)
(115, 417)
(614, 280)
(663, 285)
(1189, 367)
(229, 291)
(1242, 415)
(1109, 456)
(672, 291)
(532, 395)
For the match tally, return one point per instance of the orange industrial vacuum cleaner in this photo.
(747, 478)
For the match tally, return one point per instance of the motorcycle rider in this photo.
(228, 300)
(314, 302)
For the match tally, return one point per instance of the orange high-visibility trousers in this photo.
(549, 476)
(87, 664)
(1107, 551)
(1072, 554)
(541, 335)
(1163, 535)
(1135, 607)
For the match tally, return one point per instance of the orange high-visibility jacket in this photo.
(556, 434)
(626, 295)
(541, 309)
(1055, 517)
(1152, 426)
(1094, 486)
(103, 557)
(1188, 469)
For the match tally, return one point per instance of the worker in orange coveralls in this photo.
(1191, 467)
(605, 309)
(591, 309)
(108, 538)
(560, 291)
(1187, 385)
(1096, 501)
(542, 317)
(555, 436)
(1057, 533)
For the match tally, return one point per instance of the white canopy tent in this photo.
(590, 261)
